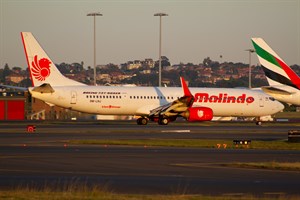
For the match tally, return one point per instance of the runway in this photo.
(43, 159)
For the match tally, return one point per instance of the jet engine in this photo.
(198, 114)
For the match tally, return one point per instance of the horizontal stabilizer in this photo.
(44, 88)
(274, 90)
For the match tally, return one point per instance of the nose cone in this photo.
(278, 106)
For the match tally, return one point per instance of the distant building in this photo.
(149, 62)
(14, 78)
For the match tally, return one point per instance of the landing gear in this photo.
(258, 121)
(142, 121)
(163, 121)
(159, 120)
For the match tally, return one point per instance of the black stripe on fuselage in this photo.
(278, 78)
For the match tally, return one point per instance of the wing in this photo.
(276, 90)
(177, 107)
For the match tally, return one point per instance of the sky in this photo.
(128, 29)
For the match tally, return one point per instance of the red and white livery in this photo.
(159, 104)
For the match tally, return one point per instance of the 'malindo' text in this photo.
(222, 98)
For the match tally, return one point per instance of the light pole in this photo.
(159, 68)
(250, 51)
(94, 15)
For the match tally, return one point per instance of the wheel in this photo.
(258, 123)
(163, 121)
(142, 121)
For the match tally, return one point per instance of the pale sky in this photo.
(129, 31)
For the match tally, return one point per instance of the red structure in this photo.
(12, 107)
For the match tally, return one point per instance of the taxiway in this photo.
(42, 159)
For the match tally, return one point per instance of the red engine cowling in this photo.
(198, 114)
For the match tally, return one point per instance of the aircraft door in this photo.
(261, 101)
(73, 97)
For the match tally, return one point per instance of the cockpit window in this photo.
(272, 98)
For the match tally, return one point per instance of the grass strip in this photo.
(269, 165)
(194, 143)
(92, 194)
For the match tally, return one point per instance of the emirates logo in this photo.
(40, 68)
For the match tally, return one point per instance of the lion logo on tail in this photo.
(40, 68)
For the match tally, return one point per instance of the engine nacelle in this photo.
(198, 114)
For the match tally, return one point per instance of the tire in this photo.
(142, 121)
(258, 123)
(163, 121)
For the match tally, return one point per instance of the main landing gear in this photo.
(163, 121)
(160, 121)
(142, 121)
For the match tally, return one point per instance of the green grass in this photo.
(98, 194)
(288, 115)
(193, 143)
(269, 165)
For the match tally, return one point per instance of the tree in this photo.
(207, 62)
(6, 72)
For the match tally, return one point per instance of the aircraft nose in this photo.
(279, 106)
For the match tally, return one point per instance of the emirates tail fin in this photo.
(276, 70)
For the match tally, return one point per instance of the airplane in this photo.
(284, 83)
(158, 104)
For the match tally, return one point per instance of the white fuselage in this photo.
(109, 100)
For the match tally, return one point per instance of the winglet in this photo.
(185, 88)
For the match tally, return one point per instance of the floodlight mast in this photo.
(250, 51)
(94, 15)
(159, 68)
